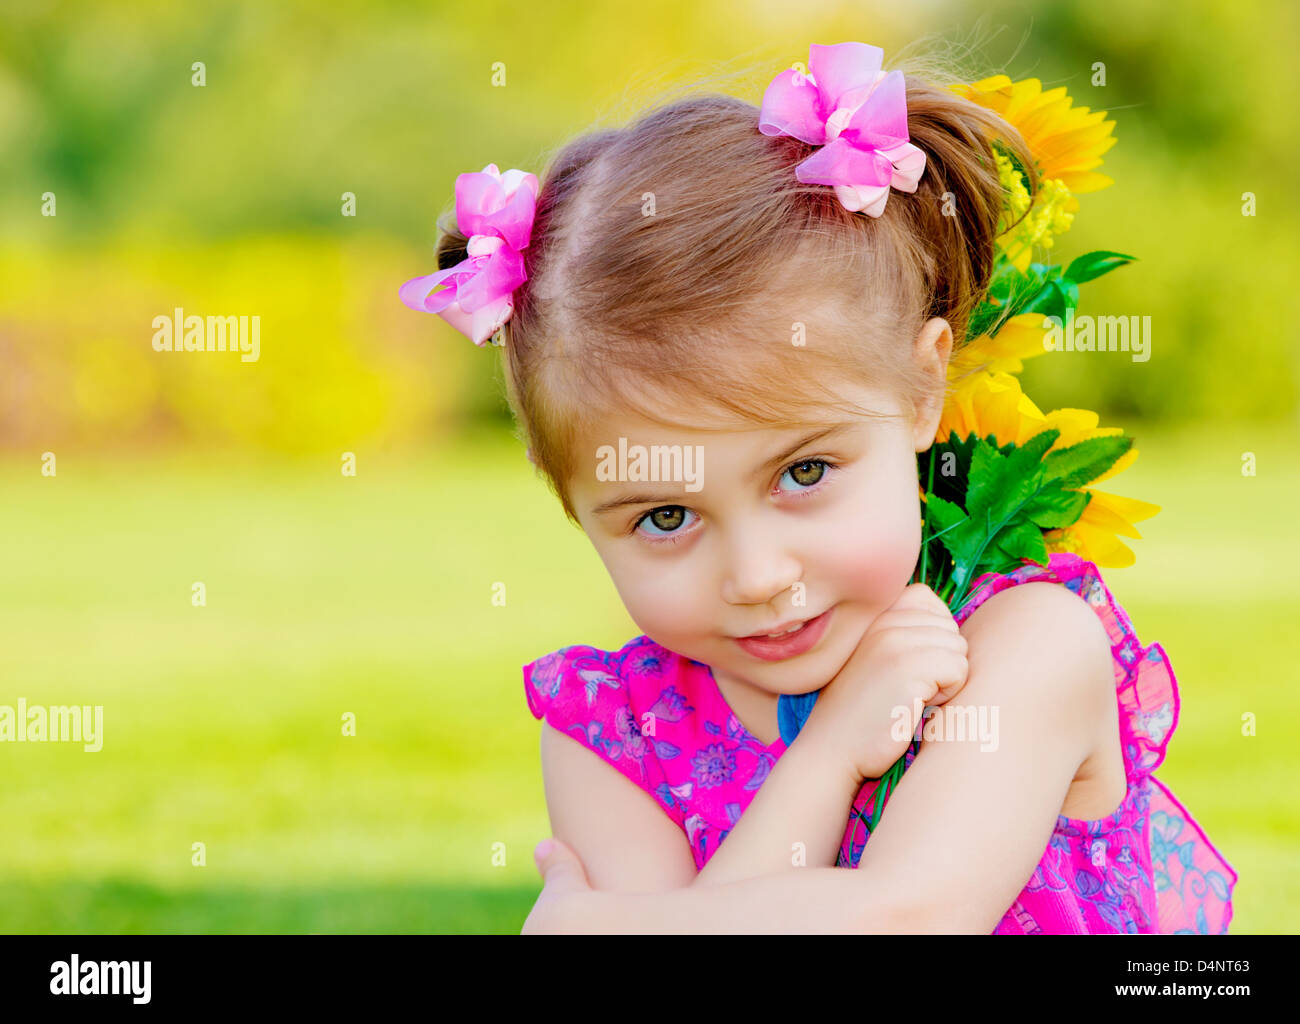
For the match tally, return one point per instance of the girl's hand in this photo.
(913, 651)
(563, 880)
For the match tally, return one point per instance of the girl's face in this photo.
(782, 526)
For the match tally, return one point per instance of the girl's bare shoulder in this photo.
(1044, 640)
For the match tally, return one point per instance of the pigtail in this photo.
(959, 201)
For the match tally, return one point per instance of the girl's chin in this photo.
(791, 678)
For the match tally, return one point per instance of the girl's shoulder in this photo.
(1144, 682)
(1075, 574)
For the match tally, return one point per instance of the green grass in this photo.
(372, 595)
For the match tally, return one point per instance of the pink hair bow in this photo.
(857, 114)
(496, 212)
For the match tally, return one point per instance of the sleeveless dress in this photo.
(660, 719)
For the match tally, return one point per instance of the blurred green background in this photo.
(371, 594)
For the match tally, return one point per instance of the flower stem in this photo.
(925, 530)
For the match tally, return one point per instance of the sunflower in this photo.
(1095, 537)
(993, 404)
(1067, 142)
(987, 404)
(1016, 340)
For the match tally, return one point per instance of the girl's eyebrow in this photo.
(660, 499)
(790, 452)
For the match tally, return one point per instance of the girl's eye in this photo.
(665, 520)
(806, 474)
(666, 523)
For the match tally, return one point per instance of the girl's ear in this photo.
(931, 350)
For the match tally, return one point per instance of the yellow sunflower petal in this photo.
(1067, 142)
(1086, 181)
(1091, 544)
(990, 403)
(1075, 425)
(1019, 338)
(1117, 513)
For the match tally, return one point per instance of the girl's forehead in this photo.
(700, 431)
(737, 445)
(666, 423)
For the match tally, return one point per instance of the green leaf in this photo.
(1093, 264)
(1001, 483)
(963, 537)
(1069, 292)
(983, 473)
(999, 486)
(1080, 463)
(1053, 507)
(952, 467)
(1022, 540)
(1028, 455)
(999, 499)
(1012, 292)
(1055, 298)
(1039, 289)
(947, 519)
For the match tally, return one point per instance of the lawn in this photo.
(373, 595)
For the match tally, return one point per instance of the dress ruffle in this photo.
(580, 691)
(1192, 880)
(1144, 680)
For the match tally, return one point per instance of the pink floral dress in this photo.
(660, 719)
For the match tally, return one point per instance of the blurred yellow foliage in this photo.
(342, 361)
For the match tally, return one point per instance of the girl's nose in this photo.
(758, 576)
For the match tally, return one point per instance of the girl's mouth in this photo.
(788, 645)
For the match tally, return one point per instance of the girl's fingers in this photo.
(914, 617)
(921, 638)
(951, 680)
(920, 596)
(945, 668)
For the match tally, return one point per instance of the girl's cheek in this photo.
(876, 553)
(662, 603)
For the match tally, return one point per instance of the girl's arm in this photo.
(806, 799)
(626, 843)
(804, 805)
(836, 901)
(966, 826)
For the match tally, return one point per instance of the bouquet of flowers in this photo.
(1003, 482)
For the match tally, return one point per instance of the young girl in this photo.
(726, 333)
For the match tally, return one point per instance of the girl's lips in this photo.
(789, 646)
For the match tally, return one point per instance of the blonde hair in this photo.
(695, 304)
